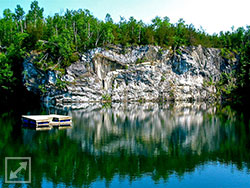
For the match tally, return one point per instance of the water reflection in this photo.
(130, 141)
(150, 128)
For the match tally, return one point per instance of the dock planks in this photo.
(46, 122)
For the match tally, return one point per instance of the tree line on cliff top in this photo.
(58, 39)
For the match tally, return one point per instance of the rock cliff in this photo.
(147, 73)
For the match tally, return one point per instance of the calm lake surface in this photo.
(133, 145)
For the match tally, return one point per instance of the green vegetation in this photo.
(61, 84)
(43, 89)
(141, 60)
(227, 54)
(106, 97)
(163, 78)
(56, 40)
(5, 72)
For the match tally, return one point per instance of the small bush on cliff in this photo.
(141, 60)
(227, 54)
(226, 85)
(60, 84)
(163, 78)
(43, 89)
(106, 97)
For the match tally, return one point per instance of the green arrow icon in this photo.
(13, 175)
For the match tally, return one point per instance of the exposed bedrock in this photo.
(147, 73)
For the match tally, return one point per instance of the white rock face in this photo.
(145, 73)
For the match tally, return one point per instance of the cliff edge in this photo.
(146, 73)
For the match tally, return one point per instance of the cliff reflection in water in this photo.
(130, 141)
(151, 128)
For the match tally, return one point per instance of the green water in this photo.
(133, 145)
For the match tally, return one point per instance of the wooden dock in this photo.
(46, 122)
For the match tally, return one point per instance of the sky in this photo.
(212, 15)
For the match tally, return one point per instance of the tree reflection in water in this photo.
(131, 141)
